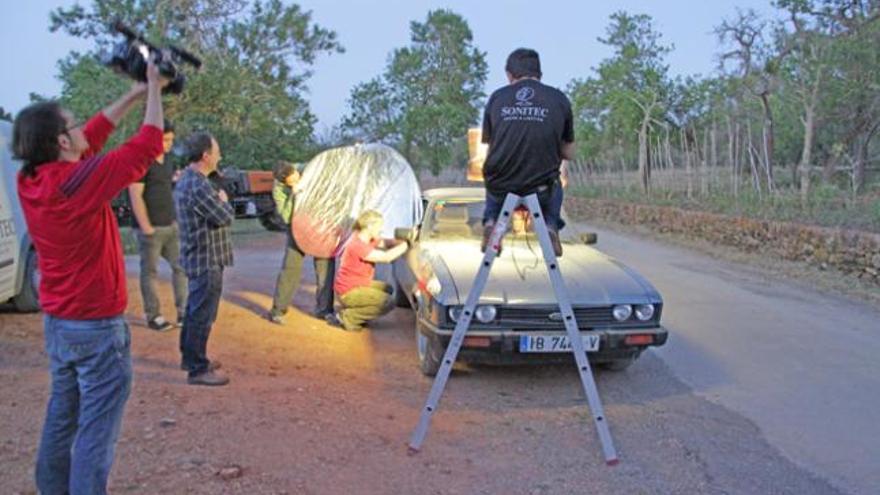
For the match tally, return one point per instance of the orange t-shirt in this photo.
(354, 271)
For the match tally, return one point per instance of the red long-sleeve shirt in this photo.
(67, 209)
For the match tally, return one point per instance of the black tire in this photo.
(28, 300)
(430, 353)
(272, 222)
(400, 299)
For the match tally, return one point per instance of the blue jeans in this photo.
(90, 366)
(201, 311)
(551, 206)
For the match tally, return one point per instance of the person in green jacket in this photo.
(287, 176)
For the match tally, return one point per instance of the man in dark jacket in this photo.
(529, 129)
(205, 217)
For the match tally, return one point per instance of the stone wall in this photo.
(852, 252)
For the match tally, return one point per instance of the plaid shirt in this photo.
(204, 220)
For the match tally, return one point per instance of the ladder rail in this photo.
(561, 292)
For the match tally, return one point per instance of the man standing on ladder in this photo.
(529, 129)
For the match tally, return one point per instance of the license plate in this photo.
(555, 343)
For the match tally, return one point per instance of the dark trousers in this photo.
(550, 198)
(289, 278)
(201, 311)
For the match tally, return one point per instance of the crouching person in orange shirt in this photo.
(362, 298)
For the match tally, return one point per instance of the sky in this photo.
(564, 32)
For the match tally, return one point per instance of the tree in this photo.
(250, 92)
(4, 115)
(628, 97)
(758, 68)
(429, 94)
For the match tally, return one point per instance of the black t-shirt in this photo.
(158, 193)
(525, 125)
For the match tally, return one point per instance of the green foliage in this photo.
(797, 92)
(429, 94)
(628, 88)
(250, 92)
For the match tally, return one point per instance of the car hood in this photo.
(519, 275)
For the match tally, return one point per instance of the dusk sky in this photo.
(563, 32)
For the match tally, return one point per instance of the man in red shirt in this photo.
(364, 299)
(65, 188)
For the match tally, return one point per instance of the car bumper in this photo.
(501, 345)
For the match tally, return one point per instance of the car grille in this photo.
(539, 318)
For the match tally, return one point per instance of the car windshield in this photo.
(454, 218)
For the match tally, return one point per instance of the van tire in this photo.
(27, 300)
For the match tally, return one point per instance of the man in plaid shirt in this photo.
(204, 215)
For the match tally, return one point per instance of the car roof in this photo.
(454, 193)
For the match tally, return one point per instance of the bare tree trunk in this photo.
(806, 154)
(644, 168)
(670, 164)
(704, 172)
(687, 164)
(731, 162)
(714, 138)
(756, 176)
(737, 154)
(768, 138)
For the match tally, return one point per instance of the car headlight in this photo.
(485, 313)
(644, 312)
(454, 312)
(622, 312)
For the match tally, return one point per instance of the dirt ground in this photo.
(314, 410)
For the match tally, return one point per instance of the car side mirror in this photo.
(589, 238)
(407, 234)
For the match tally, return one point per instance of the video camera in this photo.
(130, 57)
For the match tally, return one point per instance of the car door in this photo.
(9, 243)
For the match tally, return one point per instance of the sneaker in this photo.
(159, 324)
(554, 240)
(487, 235)
(275, 318)
(212, 366)
(322, 314)
(208, 378)
(334, 320)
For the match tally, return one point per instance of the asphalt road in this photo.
(800, 364)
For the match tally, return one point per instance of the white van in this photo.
(19, 277)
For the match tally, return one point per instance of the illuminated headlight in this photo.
(644, 312)
(485, 313)
(454, 312)
(622, 312)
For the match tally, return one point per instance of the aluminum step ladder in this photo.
(511, 202)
